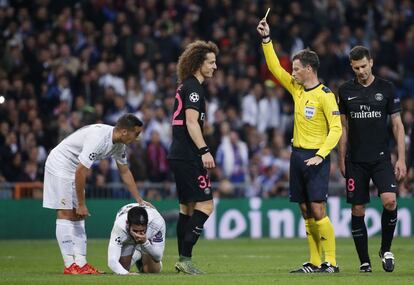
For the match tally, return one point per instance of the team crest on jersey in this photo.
(310, 112)
(157, 237)
(92, 156)
(379, 97)
(194, 97)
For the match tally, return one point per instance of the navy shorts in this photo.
(308, 183)
(358, 175)
(192, 181)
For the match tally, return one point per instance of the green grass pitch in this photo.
(240, 261)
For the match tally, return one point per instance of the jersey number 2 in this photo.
(176, 122)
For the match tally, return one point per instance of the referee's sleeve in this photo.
(273, 64)
(330, 109)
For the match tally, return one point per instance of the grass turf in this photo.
(240, 261)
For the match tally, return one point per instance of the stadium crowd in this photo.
(68, 63)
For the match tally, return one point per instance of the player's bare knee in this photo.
(358, 210)
(390, 204)
(206, 207)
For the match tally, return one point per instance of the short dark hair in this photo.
(193, 57)
(128, 121)
(308, 57)
(358, 53)
(137, 216)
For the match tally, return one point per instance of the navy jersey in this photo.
(189, 95)
(367, 110)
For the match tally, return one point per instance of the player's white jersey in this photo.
(155, 229)
(122, 244)
(90, 143)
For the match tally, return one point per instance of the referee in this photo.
(317, 129)
(189, 156)
(365, 103)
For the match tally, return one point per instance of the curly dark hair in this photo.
(193, 57)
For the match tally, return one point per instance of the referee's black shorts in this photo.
(358, 175)
(308, 183)
(192, 181)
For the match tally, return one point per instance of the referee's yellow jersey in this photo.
(317, 123)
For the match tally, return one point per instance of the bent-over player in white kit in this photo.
(137, 237)
(64, 182)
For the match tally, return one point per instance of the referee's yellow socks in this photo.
(327, 234)
(312, 234)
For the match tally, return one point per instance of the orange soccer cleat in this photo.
(89, 269)
(72, 269)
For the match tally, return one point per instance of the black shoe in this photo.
(307, 267)
(326, 267)
(388, 262)
(365, 268)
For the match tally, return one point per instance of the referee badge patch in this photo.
(309, 112)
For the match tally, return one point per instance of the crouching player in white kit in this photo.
(137, 237)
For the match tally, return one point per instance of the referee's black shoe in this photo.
(307, 267)
(365, 268)
(388, 262)
(326, 267)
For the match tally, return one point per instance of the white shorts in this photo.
(59, 193)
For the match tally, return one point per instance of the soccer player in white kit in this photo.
(64, 182)
(137, 237)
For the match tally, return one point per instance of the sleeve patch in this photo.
(158, 237)
(118, 241)
(326, 89)
(335, 113)
(92, 156)
(194, 97)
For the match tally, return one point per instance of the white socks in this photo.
(79, 242)
(71, 237)
(64, 236)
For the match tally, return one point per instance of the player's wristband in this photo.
(203, 150)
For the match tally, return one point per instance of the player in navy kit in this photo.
(189, 156)
(365, 103)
